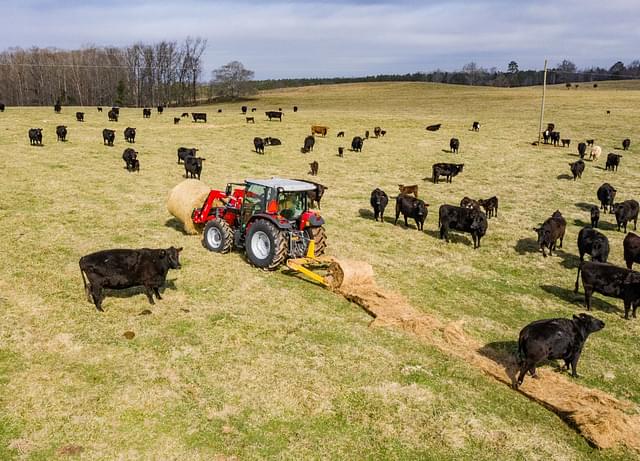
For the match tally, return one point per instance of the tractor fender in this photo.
(310, 219)
(279, 223)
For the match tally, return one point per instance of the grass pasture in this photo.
(236, 363)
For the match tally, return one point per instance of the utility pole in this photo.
(544, 91)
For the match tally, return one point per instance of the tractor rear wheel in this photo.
(218, 236)
(266, 245)
(319, 235)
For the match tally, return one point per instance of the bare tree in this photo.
(232, 80)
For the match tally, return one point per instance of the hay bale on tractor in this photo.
(183, 198)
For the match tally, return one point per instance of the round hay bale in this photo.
(183, 198)
(345, 273)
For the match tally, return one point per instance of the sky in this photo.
(310, 38)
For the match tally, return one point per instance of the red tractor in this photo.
(269, 218)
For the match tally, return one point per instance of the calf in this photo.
(193, 166)
(595, 216)
(467, 202)
(129, 155)
(340, 134)
(448, 170)
(356, 144)
(130, 134)
(61, 132)
(272, 142)
(99, 109)
(613, 160)
(565, 142)
(57, 108)
(219, 111)
(258, 145)
(251, 119)
(595, 153)
(606, 194)
(309, 142)
(377, 131)
(35, 136)
(626, 143)
(593, 243)
(366, 134)
(253, 109)
(160, 109)
(590, 142)
(318, 129)
(271, 114)
(185, 114)
(610, 280)
(454, 144)
(383, 133)
(554, 339)
(340, 151)
(550, 231)
(411, 207)
(631, 245)
(434, 127)
(406, 190)
(244, 109)
(315, 195)
(490, 206)
(184, 152)
(80, 116)
(576, 169)
(120, 269)
(379, 201)
(625, 212)
(108, 136)
(146, 113)
(464, 220)
(176, 120)
(113, 115)
(582, 149)
(199, 116)
(2, 107)
(314, 168)
(555, 138)
(475, 126)
(295, 108)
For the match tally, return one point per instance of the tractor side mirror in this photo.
(227, 190)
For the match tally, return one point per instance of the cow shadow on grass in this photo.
(503, 353)
(527, 245)
(175, 224)
(368, 214)
(585, 206)
(564, 177)
(569, 260)
(135, 291)
(453, 237)
(577, 299)
(602, 225)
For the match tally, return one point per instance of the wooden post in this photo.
(544, 91)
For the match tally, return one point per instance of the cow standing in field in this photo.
(184, 114)
(576, 169)
(35, 136)
(250, 119)
(566, 142)
(595, 153)
(57, 108)
(258, 144)
(593, 243)
(193, 167)
(122, 268)
(356, 144)
(160, 109)
(625, 212)
(609, 280)
(130, 157)
(490, 206)
(271, 114)
(199, 116)
(176, 120)
(595, 216)
(314, 168)
(108, 136)
(130, 134)
(99, 109)
(451, 217)
(340, 134)
(613, 160)
(2, 107)
(406, 190)
(113, 115)
(582, 150)
(448, 170)
(475, 126)
(379, 201)
(631, 245)
(146, 113)
(308, 144)
(411, 207)
(626, 143)
(341, 151)
(606, 194)
(318, 129)
(244, 110)
(550, 231)
(454, 145)
(80, 116)
(184, 152)
(377, 131)
(61, 132)
(555, 138)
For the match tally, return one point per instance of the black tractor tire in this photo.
(266, 245)
(218, 236)
(320, 236)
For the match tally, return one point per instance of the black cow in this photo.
(383, 133)
(340, 151)
(555, 138)
(340, 134)
(554, 339)
(219, 111)
(625, 212)
(309, 142)
(546, 136)
(379, 201)
(258, 145)
(185, 114)
(590, 142)
(253, 109)
(613, 160)
(57, 108)
(130, 134)
(176, 120)
(411, 207)
(184, 152)
(244, 109)
(356, 144)
(108, 136)
(2, 106)
(146, 113)
(475, 126)
(595, 216)
(113, 115)
(434, 127)
(61, 132)
(129, 155)
(550, 231)
(80, 116)
(160, 109)
(448, 170)
(610, 280)
(593, 243)
(35, 136)
(376, 131)
(468, 202)
(295, 108)
(366, 134)
(566, 142)
(120, 269)
(315, 195)
(274, 114)
(577, 169)
(314, 168)
(454, 145)
(116, 109)
(631, 245)
(606, 194)
(99, 109)
(463, 220)
(193, 166)
(582, 149)
(272, 142)
(626, 143)
(490, 206)
(199, 116)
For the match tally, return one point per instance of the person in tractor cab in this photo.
(291, 205)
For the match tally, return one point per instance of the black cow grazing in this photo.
(35, 136)
(590, 142)
(130, 134)
(176, 120)
(113, 115)
(244, 109)
(271, 114)
(468, 202)
(613, 160)
(606, 194)
(631, 245)
(625, 212)
(199, 116)
(314, 168)
(253, 109)
(185, 114)
(610, 280)
(340, 134)
(490, 206)
(411, 207)
(61, 132)
(272, 142)
(356, 144)
(595, 216)
(258, 145)
(566, 142)
(160, 109)
(434, 127)
(383, 132)
(582, 149)
(451, 217)
(184, 152)
(550, 231)
(2, 106)
(193, 166)
(577, 168)
(366, 134)
(593, 243)
(626, 143)
(448, 170)
(554, 339)
(80, 116)
(146, 113)
(315, 195)
(108, 136)
(99, 109)
(376, 131)
(379, 201)
(454, 145)
(295, 108)
(129, 155)
(219, 111)
(120, 269)
(340, 151)
(309, 142)
(116, 109)
(57, 108)
(555, 138)
(475, 126)
(251, 119)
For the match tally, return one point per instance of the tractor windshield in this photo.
(292, 204)
(254, 201)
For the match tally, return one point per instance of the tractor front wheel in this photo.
(266, 245)
(218, 236)
(319, 235)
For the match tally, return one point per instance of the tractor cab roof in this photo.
(288, 185)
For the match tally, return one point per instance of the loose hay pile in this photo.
(602, 419)
(183, 198)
